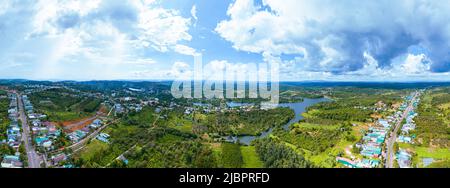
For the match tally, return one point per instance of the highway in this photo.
(34, 159)
(390, 154)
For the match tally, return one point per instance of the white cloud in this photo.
(161, 28)
(101, 28)
(186, 50)
(180, 70)
(194, 12)
(336, 36)
(415, 64)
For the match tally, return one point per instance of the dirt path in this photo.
(79, 125)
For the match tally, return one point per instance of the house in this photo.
(35, 130)
(405, 139)
(36, 122)
(12, 111)
(11, 161)
(73, 137)
(93, 126)
(371, 151)
(53, 131)
(119, 109)
(41, 140)
(77, 135)
(56, 159)
(384, 123)
(103, 137)
(47, 143)
(97, 122)
(346, 162)
(403, 159)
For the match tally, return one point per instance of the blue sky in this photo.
(354, 40)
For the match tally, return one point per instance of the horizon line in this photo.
(171, 80)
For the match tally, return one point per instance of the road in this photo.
(390, 155)
(34, 159)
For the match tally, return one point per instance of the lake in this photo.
(298, 108)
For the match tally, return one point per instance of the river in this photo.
(298, 108)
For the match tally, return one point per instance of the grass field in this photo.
(65, 116)
(250, 157)
(444, 106)
(231, 155)
(180, 124)
(436, 153)
(92, 149)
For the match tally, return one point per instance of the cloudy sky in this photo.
(355, 40)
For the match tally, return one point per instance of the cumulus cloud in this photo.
(335, 38)
(140, 24)
(415, 64)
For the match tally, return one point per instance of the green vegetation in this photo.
(64, 105)
(315, 139)
(172, 154)
(250, 157)
(94, 150)
(146, 145)
(184, 135)
(242, 122)
(231, 156)
(342, 112)
(436, 153)
(275, 154)
(330, 129)
(90, 105)
(5, 150)
(440, 164)
(4, 124)
(4, 120)
(432, 129)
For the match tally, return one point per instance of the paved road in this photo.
(390, 155)
(34, 160)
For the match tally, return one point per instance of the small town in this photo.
(51, 144)
(377, 145)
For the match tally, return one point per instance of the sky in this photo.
(353, 40)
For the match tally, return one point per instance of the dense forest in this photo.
(243, 122)
(275, 154)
